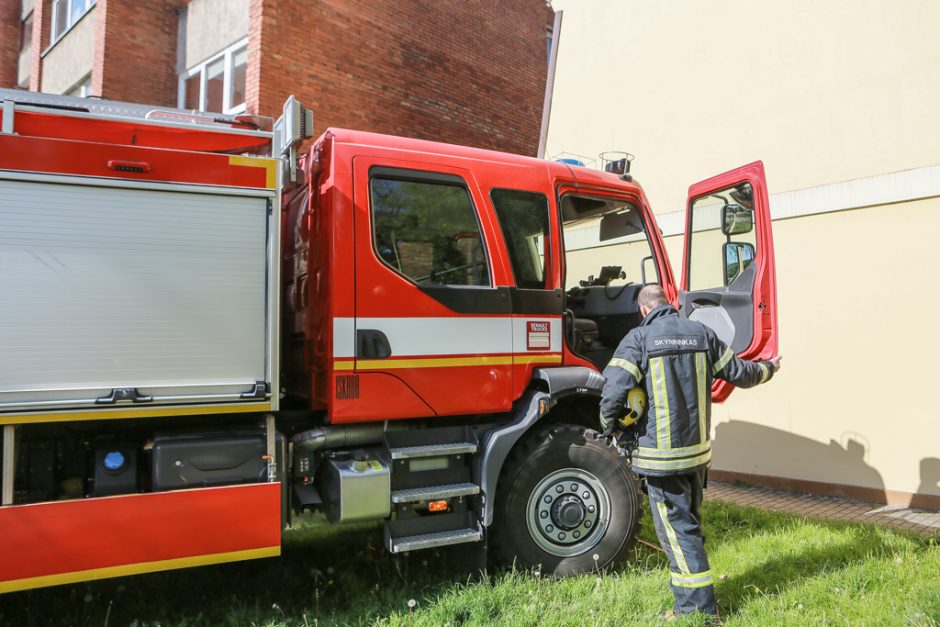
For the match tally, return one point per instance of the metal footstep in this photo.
(432, 540)
(432, 493)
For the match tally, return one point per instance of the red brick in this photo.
(135, 51)
(447, 70)
(9, 41)
(461, 72)
(42, 25)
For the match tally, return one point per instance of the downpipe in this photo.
(333, 436)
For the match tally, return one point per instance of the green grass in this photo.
(774, 569)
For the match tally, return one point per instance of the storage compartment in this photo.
(127, 298)
(184, 461)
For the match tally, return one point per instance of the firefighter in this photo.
(675, 361)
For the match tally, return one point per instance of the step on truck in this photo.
(211, 323)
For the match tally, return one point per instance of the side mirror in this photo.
(736, 219)
(737, 257)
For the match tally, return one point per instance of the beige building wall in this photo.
(211, 26)
(820, 91)
(838, 99)
(71, 58)
(24, 66)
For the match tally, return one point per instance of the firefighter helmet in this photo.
(636, 406)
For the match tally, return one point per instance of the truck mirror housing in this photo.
(737, 257)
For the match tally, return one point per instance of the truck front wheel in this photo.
(567, 504)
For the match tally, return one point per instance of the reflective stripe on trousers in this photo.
(675, 501)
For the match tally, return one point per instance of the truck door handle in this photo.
(123, 394)
(704, 302)
(372, 344)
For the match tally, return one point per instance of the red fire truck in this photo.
(204, 330)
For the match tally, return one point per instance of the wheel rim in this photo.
(568, 512)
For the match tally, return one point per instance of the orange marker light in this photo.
(437, 506)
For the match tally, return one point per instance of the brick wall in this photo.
(42, 29)
(135, 51)
(9, 41)
(462, 72)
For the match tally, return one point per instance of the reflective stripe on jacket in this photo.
(676, 360)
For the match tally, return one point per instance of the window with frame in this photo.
(424, 227)
(711, 264)
(524, 221)
(65, 13)
(218, 83)
(82, 89)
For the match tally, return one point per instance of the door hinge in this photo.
(270, 206)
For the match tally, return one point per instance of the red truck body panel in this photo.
(339, 285)
(47, 544)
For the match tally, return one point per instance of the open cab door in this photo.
(728, 278)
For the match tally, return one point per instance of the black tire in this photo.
(554, 455)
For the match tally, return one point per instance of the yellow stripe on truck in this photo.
(15, 585)
(152, 412)
(445, 362)
(270, 166)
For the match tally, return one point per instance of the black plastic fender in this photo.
(496, 443)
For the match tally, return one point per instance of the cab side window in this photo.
(523, 218)
(424, 227)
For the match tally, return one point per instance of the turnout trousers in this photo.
(675, 502)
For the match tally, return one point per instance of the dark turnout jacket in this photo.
(675, 360)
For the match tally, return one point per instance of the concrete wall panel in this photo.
(212, 26)
(72, 57)
(853, 404)
(836, 98)
(821, 92)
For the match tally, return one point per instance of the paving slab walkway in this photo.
(828, 507)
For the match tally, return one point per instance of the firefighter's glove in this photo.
(608, 426)
(616, 428)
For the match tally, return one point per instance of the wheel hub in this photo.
(568, 512)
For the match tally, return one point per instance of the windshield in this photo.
(602, 234)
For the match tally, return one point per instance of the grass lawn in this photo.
(774, 569)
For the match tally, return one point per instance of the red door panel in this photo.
(433, 310)
(728, 274)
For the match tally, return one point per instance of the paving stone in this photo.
(825, 507)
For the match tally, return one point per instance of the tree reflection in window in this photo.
(428, 232)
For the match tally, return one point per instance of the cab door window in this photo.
(425, 228)
(524, 219)
(723, 241)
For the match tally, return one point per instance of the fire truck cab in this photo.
(205, 327)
